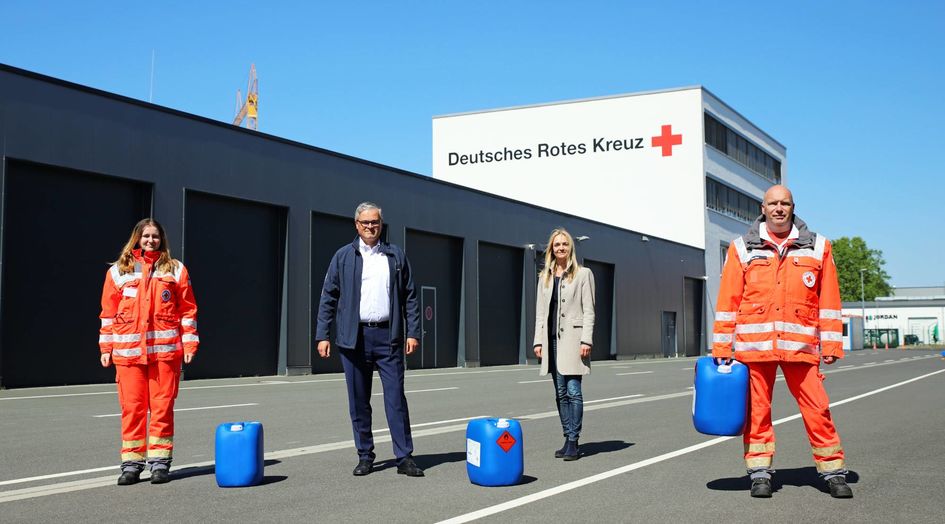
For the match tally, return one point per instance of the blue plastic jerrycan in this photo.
(494, 455)
(239, 454)
(720, 397)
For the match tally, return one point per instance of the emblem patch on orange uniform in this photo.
(809, 279)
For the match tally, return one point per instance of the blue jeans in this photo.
(570, 403)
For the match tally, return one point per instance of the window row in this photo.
(738, 148)
(731, 202)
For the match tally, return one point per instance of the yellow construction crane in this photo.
(248, 109)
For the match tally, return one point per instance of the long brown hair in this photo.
(548, 274)
(126, 259)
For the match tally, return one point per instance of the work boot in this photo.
(129, 477)
(160, 476)
(839, 489)
(761, 488)
(571, 450)
(560, 452)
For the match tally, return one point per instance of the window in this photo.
(741, 150)
(730, 202)
(723, 253)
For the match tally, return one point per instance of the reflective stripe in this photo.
(791, 345)
(168, 333)
(104, 339)
(188, 322)
(161, 441)
(162, 348)
(760, 447)
(741, 250)
(132, 456)
(753, 346)
(190, 338)
(725, 316)
(800, 329)
(831, 336)
(135, 352)
(107, 321)
(133, 337)
(159, 453)
(722, 338)
(803, 253)
(832, 314)
(830, 465)
(765, 327)
(755, 253)
(817, 253)
(132, 443)
(121, 280)
(758, 462)
(827, 451)
(819, 246)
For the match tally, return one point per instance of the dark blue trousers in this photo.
(374, 348)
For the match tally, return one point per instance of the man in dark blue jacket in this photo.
(368, 292)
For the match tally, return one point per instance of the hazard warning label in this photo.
(505, 441)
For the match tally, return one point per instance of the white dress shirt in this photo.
(375, 284)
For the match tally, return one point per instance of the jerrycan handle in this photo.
(502, 423)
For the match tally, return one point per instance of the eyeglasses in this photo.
(369, 223)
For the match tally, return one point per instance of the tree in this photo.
(851, 255)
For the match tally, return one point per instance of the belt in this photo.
(381, 324)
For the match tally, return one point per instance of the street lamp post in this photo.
(863, 305)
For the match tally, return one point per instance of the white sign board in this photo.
(634, 162)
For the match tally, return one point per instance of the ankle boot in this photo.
(571, 450)
(560, 452)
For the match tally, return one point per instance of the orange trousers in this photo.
(142, 388)
(805, 382)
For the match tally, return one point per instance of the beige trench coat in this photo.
(575, 322)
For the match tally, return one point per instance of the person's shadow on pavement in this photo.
(799, 477)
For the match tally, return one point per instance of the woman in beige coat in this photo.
(564, 332)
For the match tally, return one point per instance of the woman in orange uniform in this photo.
(149, 326)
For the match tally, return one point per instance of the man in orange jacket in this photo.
(779, 305)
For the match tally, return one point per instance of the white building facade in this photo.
(910, 316)
(677, 164)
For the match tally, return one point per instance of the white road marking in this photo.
(66, 487)
(425, 424)
(189, 409)
(635, 373)
(613, 398)
(847, 366)
(521, 501)
(534, 381)
(418, 391)
(62, 395)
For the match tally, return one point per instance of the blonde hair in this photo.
(126, 259)
(548, 274)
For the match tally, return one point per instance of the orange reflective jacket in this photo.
(775, 306)
(147, 314)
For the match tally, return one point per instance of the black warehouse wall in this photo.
(256, 219)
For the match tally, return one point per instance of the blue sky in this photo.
(852, 88)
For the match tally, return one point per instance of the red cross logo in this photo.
(667, 140)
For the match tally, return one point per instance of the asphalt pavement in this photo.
(642, 461)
